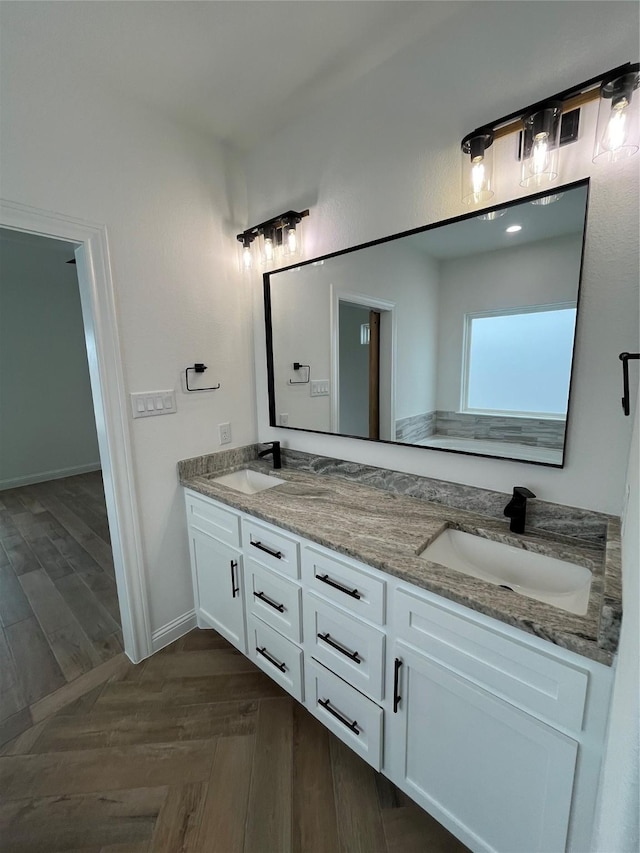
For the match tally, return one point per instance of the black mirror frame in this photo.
(266, 278)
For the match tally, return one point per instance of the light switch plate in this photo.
(147, 404)
(319, 387)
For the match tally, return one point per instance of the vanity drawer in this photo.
(209, 517)
(274, 599)
(351, 716)
(529, 679)
(277, 656)
(350, 648)
(347, 583)
(271, 546)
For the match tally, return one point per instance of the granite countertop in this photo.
(389, 531)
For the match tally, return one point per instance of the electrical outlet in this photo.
(284, 419)
(224, 431)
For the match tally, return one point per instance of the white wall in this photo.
(534, 274)
(384, 157)
(47, 426)
(617, 814)
(164, 195)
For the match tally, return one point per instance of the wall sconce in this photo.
(278, 239)
(547, 125)
(618, 130)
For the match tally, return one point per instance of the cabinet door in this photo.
(218, 585)
(493, 775)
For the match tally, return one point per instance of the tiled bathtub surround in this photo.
(415, 428)
(537, 432)
(387, 529)
(582, 524)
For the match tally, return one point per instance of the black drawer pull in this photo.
(353, 725)
(326, 638)
(279, 607)
(276, 554)
(397, 698)
(234, 589)
(265, 654)
(326, 579)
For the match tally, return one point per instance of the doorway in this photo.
(58, 597)
(89, 244)
(362, 353)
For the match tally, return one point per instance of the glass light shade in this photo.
(477, 168)
(292, 240)
(540, 141)
(618, 129)
(268, 247)
(245, 255)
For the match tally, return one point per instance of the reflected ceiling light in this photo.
(513, 228)
(477, 167)
(618, 130)
(278, 239)
(544, 127)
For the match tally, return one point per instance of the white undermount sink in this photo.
(247, 481)
(557, 582)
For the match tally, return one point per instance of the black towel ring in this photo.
(198, 368)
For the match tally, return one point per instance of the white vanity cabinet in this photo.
(489, 731)
(494, 732)
(217, 570)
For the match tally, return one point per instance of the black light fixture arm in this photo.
(625, 357)
(565, 95)
(198, 367)
(289, 218)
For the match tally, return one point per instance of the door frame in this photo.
(108, 390)
(382, 306)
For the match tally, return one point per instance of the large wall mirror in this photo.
(457, 337)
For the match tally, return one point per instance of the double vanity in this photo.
(471, 666)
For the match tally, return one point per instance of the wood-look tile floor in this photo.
(196, 749)
(59, 615)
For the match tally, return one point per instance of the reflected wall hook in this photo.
(624, 358)
(297, 366)
(198, 368)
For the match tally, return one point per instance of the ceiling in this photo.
(236, 69)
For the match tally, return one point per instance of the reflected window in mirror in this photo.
(476, 320)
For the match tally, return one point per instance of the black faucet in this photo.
(274, 448)
(516, 509)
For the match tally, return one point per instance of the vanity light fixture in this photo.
(277, 239)
(547, 125)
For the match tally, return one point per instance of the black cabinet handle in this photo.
(397, 698)
(326, 579)
(277, 554)
(279, 607)
(326, 638)
(350, 724)
(265, 654)
(234, 589)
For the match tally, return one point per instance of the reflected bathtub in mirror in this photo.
(457, 337)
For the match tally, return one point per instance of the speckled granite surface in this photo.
(388, 530)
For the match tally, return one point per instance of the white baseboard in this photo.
(173, 630)
(44, 476)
